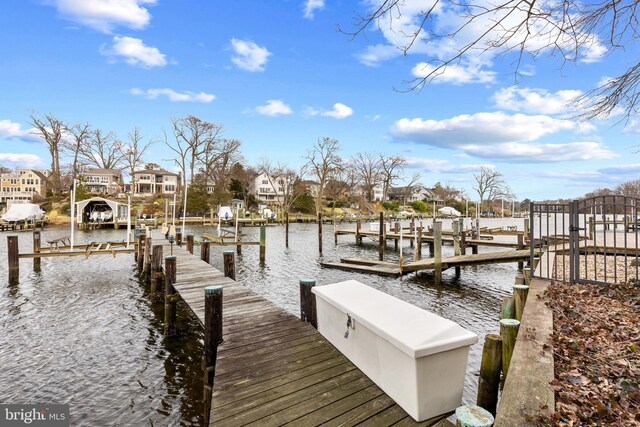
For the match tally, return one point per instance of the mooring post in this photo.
(205, 251)
(520, 247)
(508, 308)
(263, 243)
(320, 233)
(140, 251)
(212, 339)
(489, 380)
(179, 238)
(36, 250)
(358, 237)
(170, 296)
(147, 260)
(229, 264)
(526, 272)
(335, 232)
(412, 231)
(286, 229)
(189, 239)
(455, 226)
(520, 293)
(13, 257)
(381, 237)
(308, 302)
(156, 272)
(463, 242)
(419, 244)
(527, 230)
(508, 332)
(473, 416)
(591, 228)
(437, 252)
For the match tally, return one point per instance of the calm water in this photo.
(83, 331)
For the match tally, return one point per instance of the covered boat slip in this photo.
(100, 212)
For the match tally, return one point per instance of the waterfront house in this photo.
(103, 181)
(22, 185)
(154, 180)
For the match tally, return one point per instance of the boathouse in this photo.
(99, 211)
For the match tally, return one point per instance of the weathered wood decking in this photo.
(383, 268)
(274, 369)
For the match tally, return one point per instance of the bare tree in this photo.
(569, 30)
(367, 167)
(102, 150)
(4, 169)
(629, 188)
(322, 161)
(283, 180)
(134, 150)
(490, 184)
(51, 130)
(220, 155)
(390, 171)
(80, 134)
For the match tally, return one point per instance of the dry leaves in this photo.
(596, 354)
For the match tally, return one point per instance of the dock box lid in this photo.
(415, 331)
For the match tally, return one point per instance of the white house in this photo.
(22, 185)
(103, 181)
(155, 180)
(269, 189)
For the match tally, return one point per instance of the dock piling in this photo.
(189, 239)
(381, 241)
(229, 264)
(156, 273)
(14, 260)
(169, 296)
(146, 269)
(263, 243)
(179, 238)
(520, 246)
(140, 252)
(473, 416)
(286, 229)
(489, 380)
(520, 293)
(437, 252)
(205, 249)
(36, 250)
(508, 332)
(320, 233)
(308, 302)
(212, 339)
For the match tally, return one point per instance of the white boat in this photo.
(23, 211)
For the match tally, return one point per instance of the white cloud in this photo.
(104, 15)
(432, 165)
(249, 56)
(310, 6)
(134, 52)
(375, 54)
(501, 137)
(20, 160)
(174, 96)
(9, 129)
(456, 74)
(536, 101)
(633, 169)
(274, 107)
(340, 111)
(479, 128)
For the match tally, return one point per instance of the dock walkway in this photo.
(274, 369)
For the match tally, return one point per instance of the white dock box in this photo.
(418, 358)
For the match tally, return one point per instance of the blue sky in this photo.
(278, 75)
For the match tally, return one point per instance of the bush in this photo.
(391, 205)
(305, 203)
(419, 206)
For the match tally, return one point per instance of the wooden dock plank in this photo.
(272, 368)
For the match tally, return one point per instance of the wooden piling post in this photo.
(212, 339)
(36, 250)
(396, 230)
(286, 229)
(320, 233)
(520, 246)
(489, 380)
(463, 243)
(473, 416)
(205, 251)
(179, 238)
(229, 264)
(437, 252)
(263, 243)
(508, 308)
(519, 279)
(13, 256)
(520, 293)
(140, 253)
(189, 239)
(527, 230)
(381, 238)
(308, 302)
(526, 272)
(591, 228)
(156, 272)
(170, 296)
(455, 226)
(419, 245)
(412, 230)
(147, 260)
(358, 237)
(508, 332)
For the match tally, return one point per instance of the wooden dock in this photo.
(390, 269)
(427, 239)
(273, 368)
